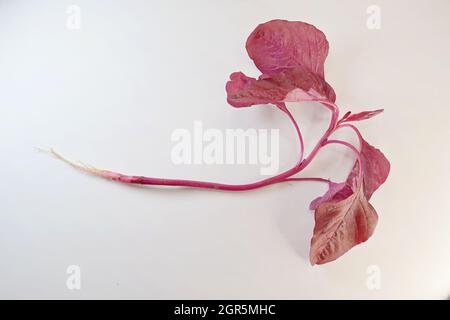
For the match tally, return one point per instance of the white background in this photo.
(112, 93)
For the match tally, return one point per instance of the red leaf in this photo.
(291, 56)
(279, 45)
(362, 115)
(292, 85)
(345, 116)
(343, 218)
(340, 226)
(336, 192)
(375, 169)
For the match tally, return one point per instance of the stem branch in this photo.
(282, 177)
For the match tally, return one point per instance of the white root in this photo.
(79, 166)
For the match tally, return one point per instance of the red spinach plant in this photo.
(291, 56)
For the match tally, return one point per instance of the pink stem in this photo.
(301, 164)
(283, 107)
(354, 128)
(348, 145)
(334, 118)
(196, 184)
(308, 179)
(203, 184)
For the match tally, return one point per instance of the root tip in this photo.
(79, 166)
